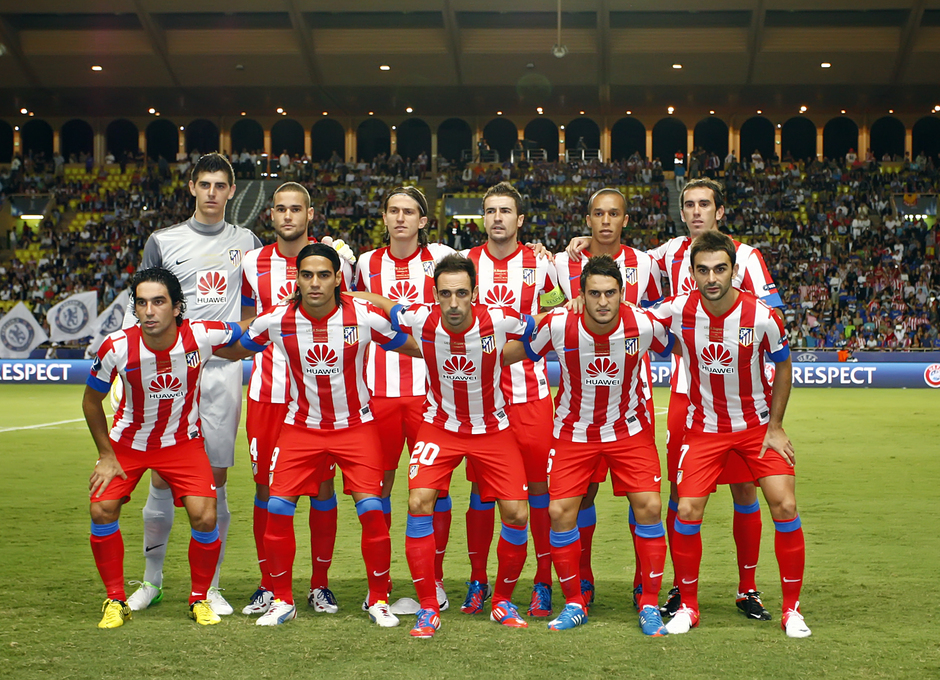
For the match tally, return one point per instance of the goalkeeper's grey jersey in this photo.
(207, 259)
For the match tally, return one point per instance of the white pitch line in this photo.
(36, 427)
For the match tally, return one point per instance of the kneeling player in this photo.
(601, 416)
(156, 427)
(725, 335)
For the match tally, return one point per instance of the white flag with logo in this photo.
(73, 318)
(20, 333)
(110, 320)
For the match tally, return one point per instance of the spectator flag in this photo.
(110, 320)
(20, 333)
(73, 318)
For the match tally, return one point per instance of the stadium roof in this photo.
(468, 56)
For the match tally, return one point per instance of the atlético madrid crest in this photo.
(629, 276)
(746, 337)
(350, 334)
(528, 276)
(235, 255)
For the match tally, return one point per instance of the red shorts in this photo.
(600, 473)
(185, 467)
(303, 456)
(704, 455)
(735, 470)
(633, 462)
(531, 422)
(495, 458)
(263, 425)
(398, 419)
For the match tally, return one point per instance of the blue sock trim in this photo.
(206, 537)
(587, 517)
(650, 530)
(514, 535)
(323, 506)
(539, 501)
(260, 503)
(281, 506)
(477, 504)
(443, 504)
(788, 525)
(368, 505)
(386, 505)
(560, 539)
(102, 530)
(631, 517)
(687, 529)
(419, 526)
(747, 509)
(674, 505)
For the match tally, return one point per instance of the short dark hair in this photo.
(718, 191)
(318, 250)
(506, 189)
(293, 186)
(712, 242)
(418, 197)
(168, 279)
(212, 162)
(455, 264)
(601, 265)
(601, 192)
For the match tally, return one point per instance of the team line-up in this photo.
(443, 352)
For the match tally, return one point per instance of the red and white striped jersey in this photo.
(516, 282)
(268, 277)
(325, 359)
(406, 282)
(729, 391)
(464, 368)
(641, 274)
(601, 396)
(160, 406)
(674, 258)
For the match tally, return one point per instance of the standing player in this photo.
(205, 254)
(403, 271)
(465, 417)
(607, 217)
(268, 277)
(601, 415)
(511, 275)
(725, 335)
(323, 334)
(156, 426)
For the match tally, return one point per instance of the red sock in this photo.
(540, 525)
(442, 520)
(747, 530)
(420, 555)
(566, 560)
(376, 552)
(790, 548)
(322, 542)
(109, 558)
(511, 559)
(480, 522)
(280, 545)
(651, 556)
(587, 541)
(686, 560)
(637, 570)
(258, 522)
(203, 557)
(671, 513)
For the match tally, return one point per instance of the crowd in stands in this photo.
(852, 272)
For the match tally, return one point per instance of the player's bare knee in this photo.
(691, 509)
(421, 501)
(784, 509)
(105, 512)
(515, 513)
(563, 514)
(647, 507)
(743, 494)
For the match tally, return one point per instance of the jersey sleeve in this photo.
(516, 326)
(104, 367)
(775, 338)
(659, 255)
(384, 333)
(410, 318)
(654, 285)
(248, 292)
(541, 340)
(219, 333)
(258, 335)
(361, 273)
(756, 279)
(662, 339)
(346, 284)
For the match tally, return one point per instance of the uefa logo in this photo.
(17, 335)
(71, 317)
(932, 375)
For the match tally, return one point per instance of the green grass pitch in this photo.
(868, 474)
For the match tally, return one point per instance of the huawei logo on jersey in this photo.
(165, 387)
(717, 359)
(286, 291)
(602, 372)
(499, 296)
(403, 293)
(458, 368)
(321, 360)
(211, 287)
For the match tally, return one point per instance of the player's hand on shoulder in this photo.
(576, 245)
(575, 306)
(541, 252)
